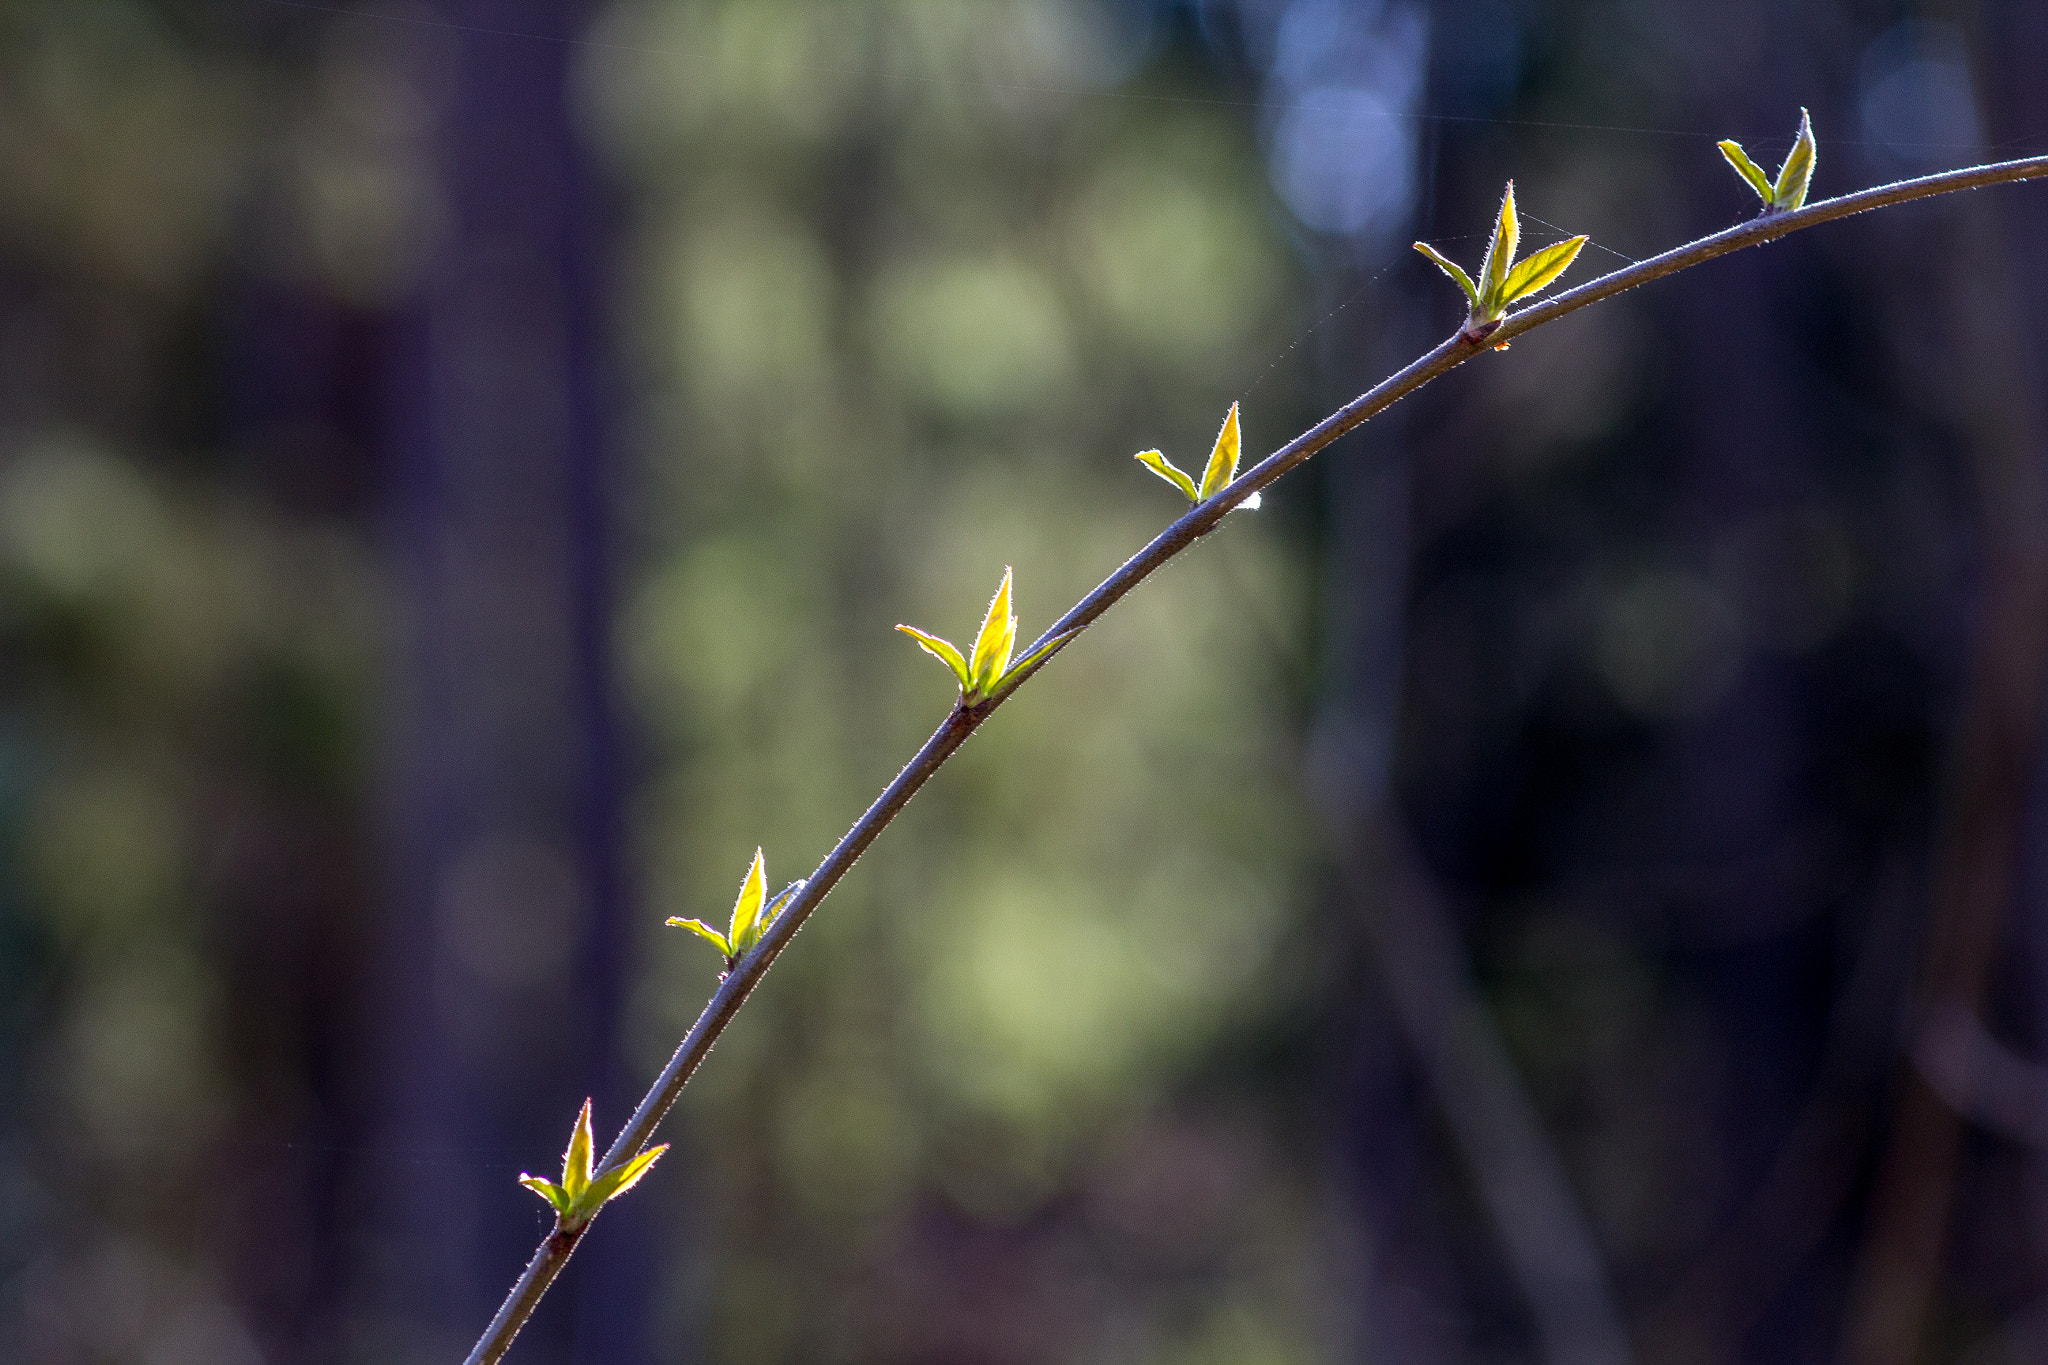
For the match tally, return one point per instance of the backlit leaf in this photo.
(547, 1190)
(993, 644)
(942, 650)
(1022, 669)
(747, 909)
(780, 903)
(617, 1181)
(1797, 172)
(1168, 471)
(1500, 255)
(576, 1160)
(1223, 458)
(1747, 169)
(1540, 269)
(705, 931)
(1454, 270)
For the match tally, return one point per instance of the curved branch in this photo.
(732, 992)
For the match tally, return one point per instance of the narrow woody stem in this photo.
(732, 992)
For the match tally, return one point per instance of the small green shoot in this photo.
(1502, 281)
(578, 1198)
(752, 913)
(989, 672)
(1221, 470)
(1788, 191)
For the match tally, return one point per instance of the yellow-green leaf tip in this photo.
(621, 1178)
(944, 651)
(1502, 281)
(1167, 470)
(1223, 457)
(1454, 270)
(992, 645)
(1025, 666)
(1500, 254)
(576, 1160)
(580, 1195)
(1535, 274)
(1796, 174)
(751, 915)
(547, 1190)
(1751, 173)
(705, 932)
(746, 910)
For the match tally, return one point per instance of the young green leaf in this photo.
(999, 662)
(1454, 270)
(1797, 172)
(1023, 668)
(775, 907)
(549, 1191)
(576, 1161)
(619, 1179)
(705, 931)
(1168, 471)
(1222, 458)
(1539, 270)
(746, 911)
(992, 646)
(945, 652)
(578, 1198)
(1748, 170)
(1500, 255)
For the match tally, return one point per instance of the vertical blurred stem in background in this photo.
(1997, 402)
(1517, 1173)
(1416, 947)
(505, 947)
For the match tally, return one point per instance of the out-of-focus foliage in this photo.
(1094, 1055)
(1709, 587)
(902, 300)
(185, 666)
(897, 294)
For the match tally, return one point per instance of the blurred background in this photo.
(1567, 881)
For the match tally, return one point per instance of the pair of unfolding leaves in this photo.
(580, 1195)
(987, 671)
(578, 1198)
(752, 913)
(984, 673)
(1788, 191)
(1502, 281)
(1220, 473)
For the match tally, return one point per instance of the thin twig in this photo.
(732, 992)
